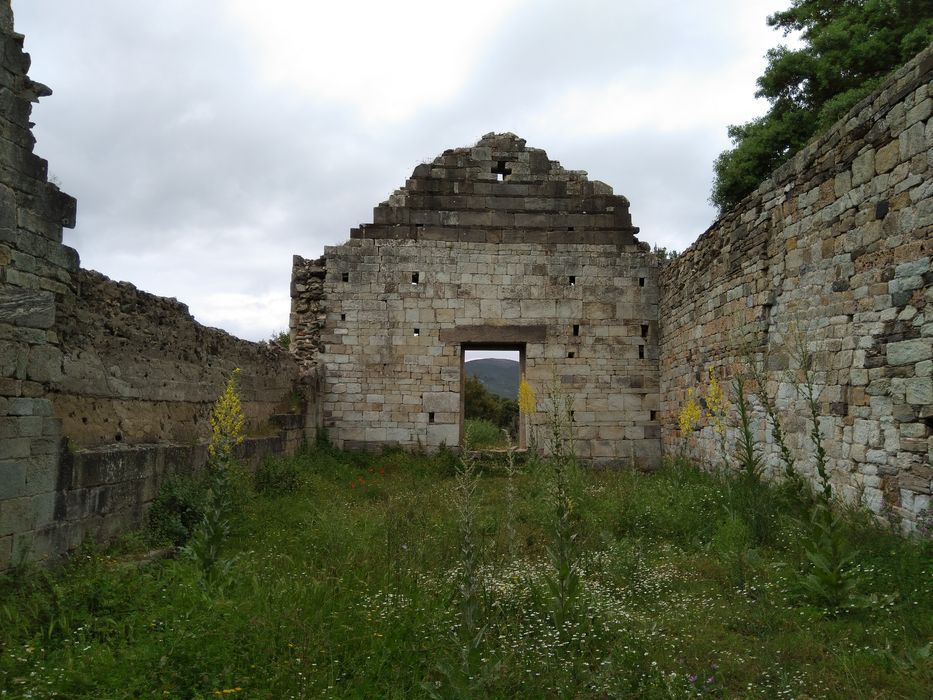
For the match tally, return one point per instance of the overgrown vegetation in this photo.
(482, 434)
(281, 338)
(847, 50)
(350, 585)
(482, 405)
(336, 574)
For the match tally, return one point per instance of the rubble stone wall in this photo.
(834, 250)
(137, 368)
(493, 245)
(104, 390)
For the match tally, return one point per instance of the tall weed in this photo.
(564, 580)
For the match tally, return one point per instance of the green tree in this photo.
(479, 402)
(849, 46)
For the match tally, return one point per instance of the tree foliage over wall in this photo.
(849, 46)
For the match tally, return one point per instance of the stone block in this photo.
(12, 479)
(863, 167)
(913, 268)
(887, 157)
(438, 435)
(912, 141)
(441, 402)
(20, 427)
(16, 516)
(919, 112)
(14, 448)
(44, 364)
(919, 390)
(909, 351)
(32, 308)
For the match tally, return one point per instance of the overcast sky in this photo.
(209, 140)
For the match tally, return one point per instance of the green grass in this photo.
(345, 584)
(483, 434)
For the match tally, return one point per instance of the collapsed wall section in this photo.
(134, 390)
(494, 245)
(104, 390)
(137, 368)
(832, 252)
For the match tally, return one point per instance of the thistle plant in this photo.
(511, 470)
(832, 582)
(747, 452)
(205, 544)
(564, 582)
(470, 585)
(791, 475)
(807, 388)
(748, 455)
(468, 675)
(717, 406)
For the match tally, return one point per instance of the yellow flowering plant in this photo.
(527, 401)
(717, 406)
(227, 421)
(527, 405)
(689, 414)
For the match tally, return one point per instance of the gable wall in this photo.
(494, 261)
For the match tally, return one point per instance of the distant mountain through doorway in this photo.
(499, 376)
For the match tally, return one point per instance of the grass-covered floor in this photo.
(349, 585)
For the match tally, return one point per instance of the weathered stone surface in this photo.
(118, 365)
(910, 351)
(919, 390)
(544, 261)
(26, 307)
(838, 243)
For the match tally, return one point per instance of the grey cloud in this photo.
(217, 203)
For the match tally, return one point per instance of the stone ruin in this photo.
(493, 247)
(105, 390)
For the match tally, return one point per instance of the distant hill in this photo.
(498, 375)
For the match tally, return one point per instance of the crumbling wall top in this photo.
(500, 190)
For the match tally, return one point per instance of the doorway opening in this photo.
(489, 378)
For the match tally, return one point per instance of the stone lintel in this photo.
(492, 335)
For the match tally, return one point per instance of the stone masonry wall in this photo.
(104, 390)
(137, 368)
(35, 271)
(490, 245)
(833, 249)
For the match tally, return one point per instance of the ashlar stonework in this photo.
(105, 390)
(492, 246)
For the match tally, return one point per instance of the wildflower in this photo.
(227, 421)
(692, 678)
(689, 414)
(716, 404)
(527, 402)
